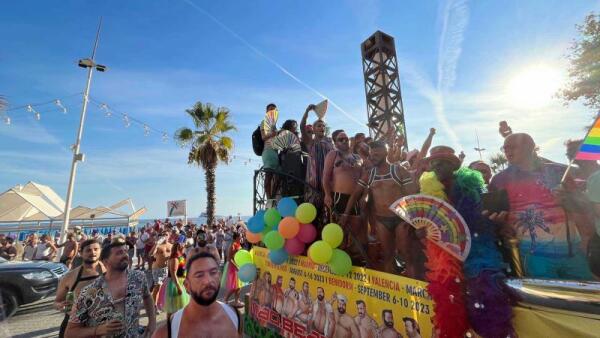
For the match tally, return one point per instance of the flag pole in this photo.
(562, 181)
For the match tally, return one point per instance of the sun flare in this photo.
(534, 86)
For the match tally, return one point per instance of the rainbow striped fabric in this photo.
(590, 148)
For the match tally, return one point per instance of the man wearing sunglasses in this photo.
(342, 171)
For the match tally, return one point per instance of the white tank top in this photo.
(176, 319)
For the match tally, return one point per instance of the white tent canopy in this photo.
(35, 202)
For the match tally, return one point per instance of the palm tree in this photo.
(208, 144)
(499, 162)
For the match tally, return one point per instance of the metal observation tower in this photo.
(382, 87)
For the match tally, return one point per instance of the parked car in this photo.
(26, 282)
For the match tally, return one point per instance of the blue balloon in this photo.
(256, 223)
(247, 272)
(287, 207)
(278, 257)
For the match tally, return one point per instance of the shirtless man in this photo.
(256, 287)
(387, 183)
(290, 300)
(265, 295)
(387, 329)
(321, 319)
(304, 304)
(345, 327)
(366, 325)
(411, 327)
(277, 292)
(342, 171)
(78, 278)
(161, 253)
(69, 251)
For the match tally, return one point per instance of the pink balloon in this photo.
(294, 246)
(307, 233)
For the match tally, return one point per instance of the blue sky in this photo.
(464, 66)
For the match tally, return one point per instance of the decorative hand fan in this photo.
(286, 140)
(444, 225)
(321, 108)
(270, 120)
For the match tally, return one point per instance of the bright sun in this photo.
(534, 86)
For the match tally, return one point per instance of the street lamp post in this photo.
(90, 64)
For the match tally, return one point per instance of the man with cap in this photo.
(345, 327)
(387, 183)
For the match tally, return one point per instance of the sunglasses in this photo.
(342, 139)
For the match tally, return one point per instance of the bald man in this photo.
(549, 246)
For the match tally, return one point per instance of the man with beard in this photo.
(277, 292)
(110, 306)
(412, 327)
(78, 278)
(204, 316)
(321, 319)
(256, 287)
(161, 253)
(387, 330)
(342, 171)
(290, 300)
(367, 326)
(345, 327)
(69, 251)
(265, 295)
(387, 183)
(304, 304)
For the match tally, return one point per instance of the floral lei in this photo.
(470, 294)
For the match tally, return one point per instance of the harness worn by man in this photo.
(387, 183)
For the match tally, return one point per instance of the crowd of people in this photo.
(550, 219)
(106, 289)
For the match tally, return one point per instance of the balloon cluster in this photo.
(326, 250)
(287, 229)
(284, 230)
(246, 267)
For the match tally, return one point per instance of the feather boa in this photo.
(484, 300)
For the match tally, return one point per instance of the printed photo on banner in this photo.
(304, 299)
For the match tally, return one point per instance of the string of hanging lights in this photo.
(36, 109)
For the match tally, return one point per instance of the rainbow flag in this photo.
(590, 148)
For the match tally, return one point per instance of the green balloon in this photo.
(333, 234)
(340, 262)
(306, 213)
(320, 252)
(272, 217)
(242, 257)
(273, 240)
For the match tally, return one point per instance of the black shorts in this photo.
(340, 201)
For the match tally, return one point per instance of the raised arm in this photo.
(426, 145)
(305, 137)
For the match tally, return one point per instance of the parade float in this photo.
(303, 283)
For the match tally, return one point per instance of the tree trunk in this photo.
(211, 198)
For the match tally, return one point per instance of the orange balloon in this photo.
(252, 237)
(289, 227)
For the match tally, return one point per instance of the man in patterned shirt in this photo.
(111, 304)
(549, 246)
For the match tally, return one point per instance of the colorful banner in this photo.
(304, 299)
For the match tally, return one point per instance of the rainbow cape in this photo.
(590, 148)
